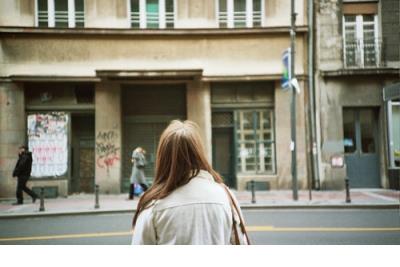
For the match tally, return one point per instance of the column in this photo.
(12, 129)
(108, 137)
(198, 101)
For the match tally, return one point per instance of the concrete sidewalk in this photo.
(84, 203)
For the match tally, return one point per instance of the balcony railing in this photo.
(363, 53)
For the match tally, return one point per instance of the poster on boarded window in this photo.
(48, 142)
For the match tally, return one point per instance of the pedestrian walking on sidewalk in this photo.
(137, 177)
(22, 171)
(187, 204)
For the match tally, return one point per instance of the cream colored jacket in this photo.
(197, 213)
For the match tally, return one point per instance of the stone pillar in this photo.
(198, 101)
(12, 133)
(108, 137)
(282, 129)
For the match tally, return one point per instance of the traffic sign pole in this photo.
(293, 145)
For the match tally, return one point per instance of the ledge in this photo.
(364, 71)
(147, 76)
(146, 32)
(250, 77)
(173, 74)
(48, 78)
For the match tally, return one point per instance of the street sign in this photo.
(286, 75)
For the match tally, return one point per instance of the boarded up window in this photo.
(360, 8)
(154, 100)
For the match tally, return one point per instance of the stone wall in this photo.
(329, 42)
(283, 138)
(115, 13)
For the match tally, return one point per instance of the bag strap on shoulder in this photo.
(234, 208)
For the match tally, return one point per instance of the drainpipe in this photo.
(311, 94)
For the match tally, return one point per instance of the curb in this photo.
(320, 206)
(64, 213)
(243, 207)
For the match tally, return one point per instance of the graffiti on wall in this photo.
(48, 142)
(107, 151)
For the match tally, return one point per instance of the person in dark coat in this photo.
(22, 171)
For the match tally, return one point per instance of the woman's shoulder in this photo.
(197, 191)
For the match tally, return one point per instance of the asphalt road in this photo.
(266, 227)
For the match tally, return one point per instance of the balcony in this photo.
(363, 54)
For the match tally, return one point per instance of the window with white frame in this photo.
(152, 14)
(362, 47)
(60, 13)
(255, 141)
(240, 13)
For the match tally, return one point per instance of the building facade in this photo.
(357, 48)
(84, 82)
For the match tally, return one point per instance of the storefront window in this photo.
(255, 141)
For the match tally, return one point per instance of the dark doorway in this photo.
(147, 111)
(361, 146)
(223, 156)
(82, 153)
(223, 146)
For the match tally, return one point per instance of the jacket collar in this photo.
(205, 175)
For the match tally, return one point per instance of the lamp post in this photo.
(293, 145)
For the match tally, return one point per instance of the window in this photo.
(360, 130)
(152, 14)
(349, 131)
(60, 13)
(240, 13)
(394, 128)
(255, 141)
(361, 43)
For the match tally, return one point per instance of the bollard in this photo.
(253, 193)
(41, 208)
(96, 201)
(348, 200)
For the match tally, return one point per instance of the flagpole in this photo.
(293, 144)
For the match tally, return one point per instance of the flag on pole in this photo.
(286, 75)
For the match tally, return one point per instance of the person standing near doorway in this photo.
(22, 171)
(137, 176)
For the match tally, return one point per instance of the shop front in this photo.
(147, 110)
(60, 135)
(243, 132)
(391, 96)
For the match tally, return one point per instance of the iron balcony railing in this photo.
(363, 53)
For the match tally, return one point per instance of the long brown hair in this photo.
(180, 157)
